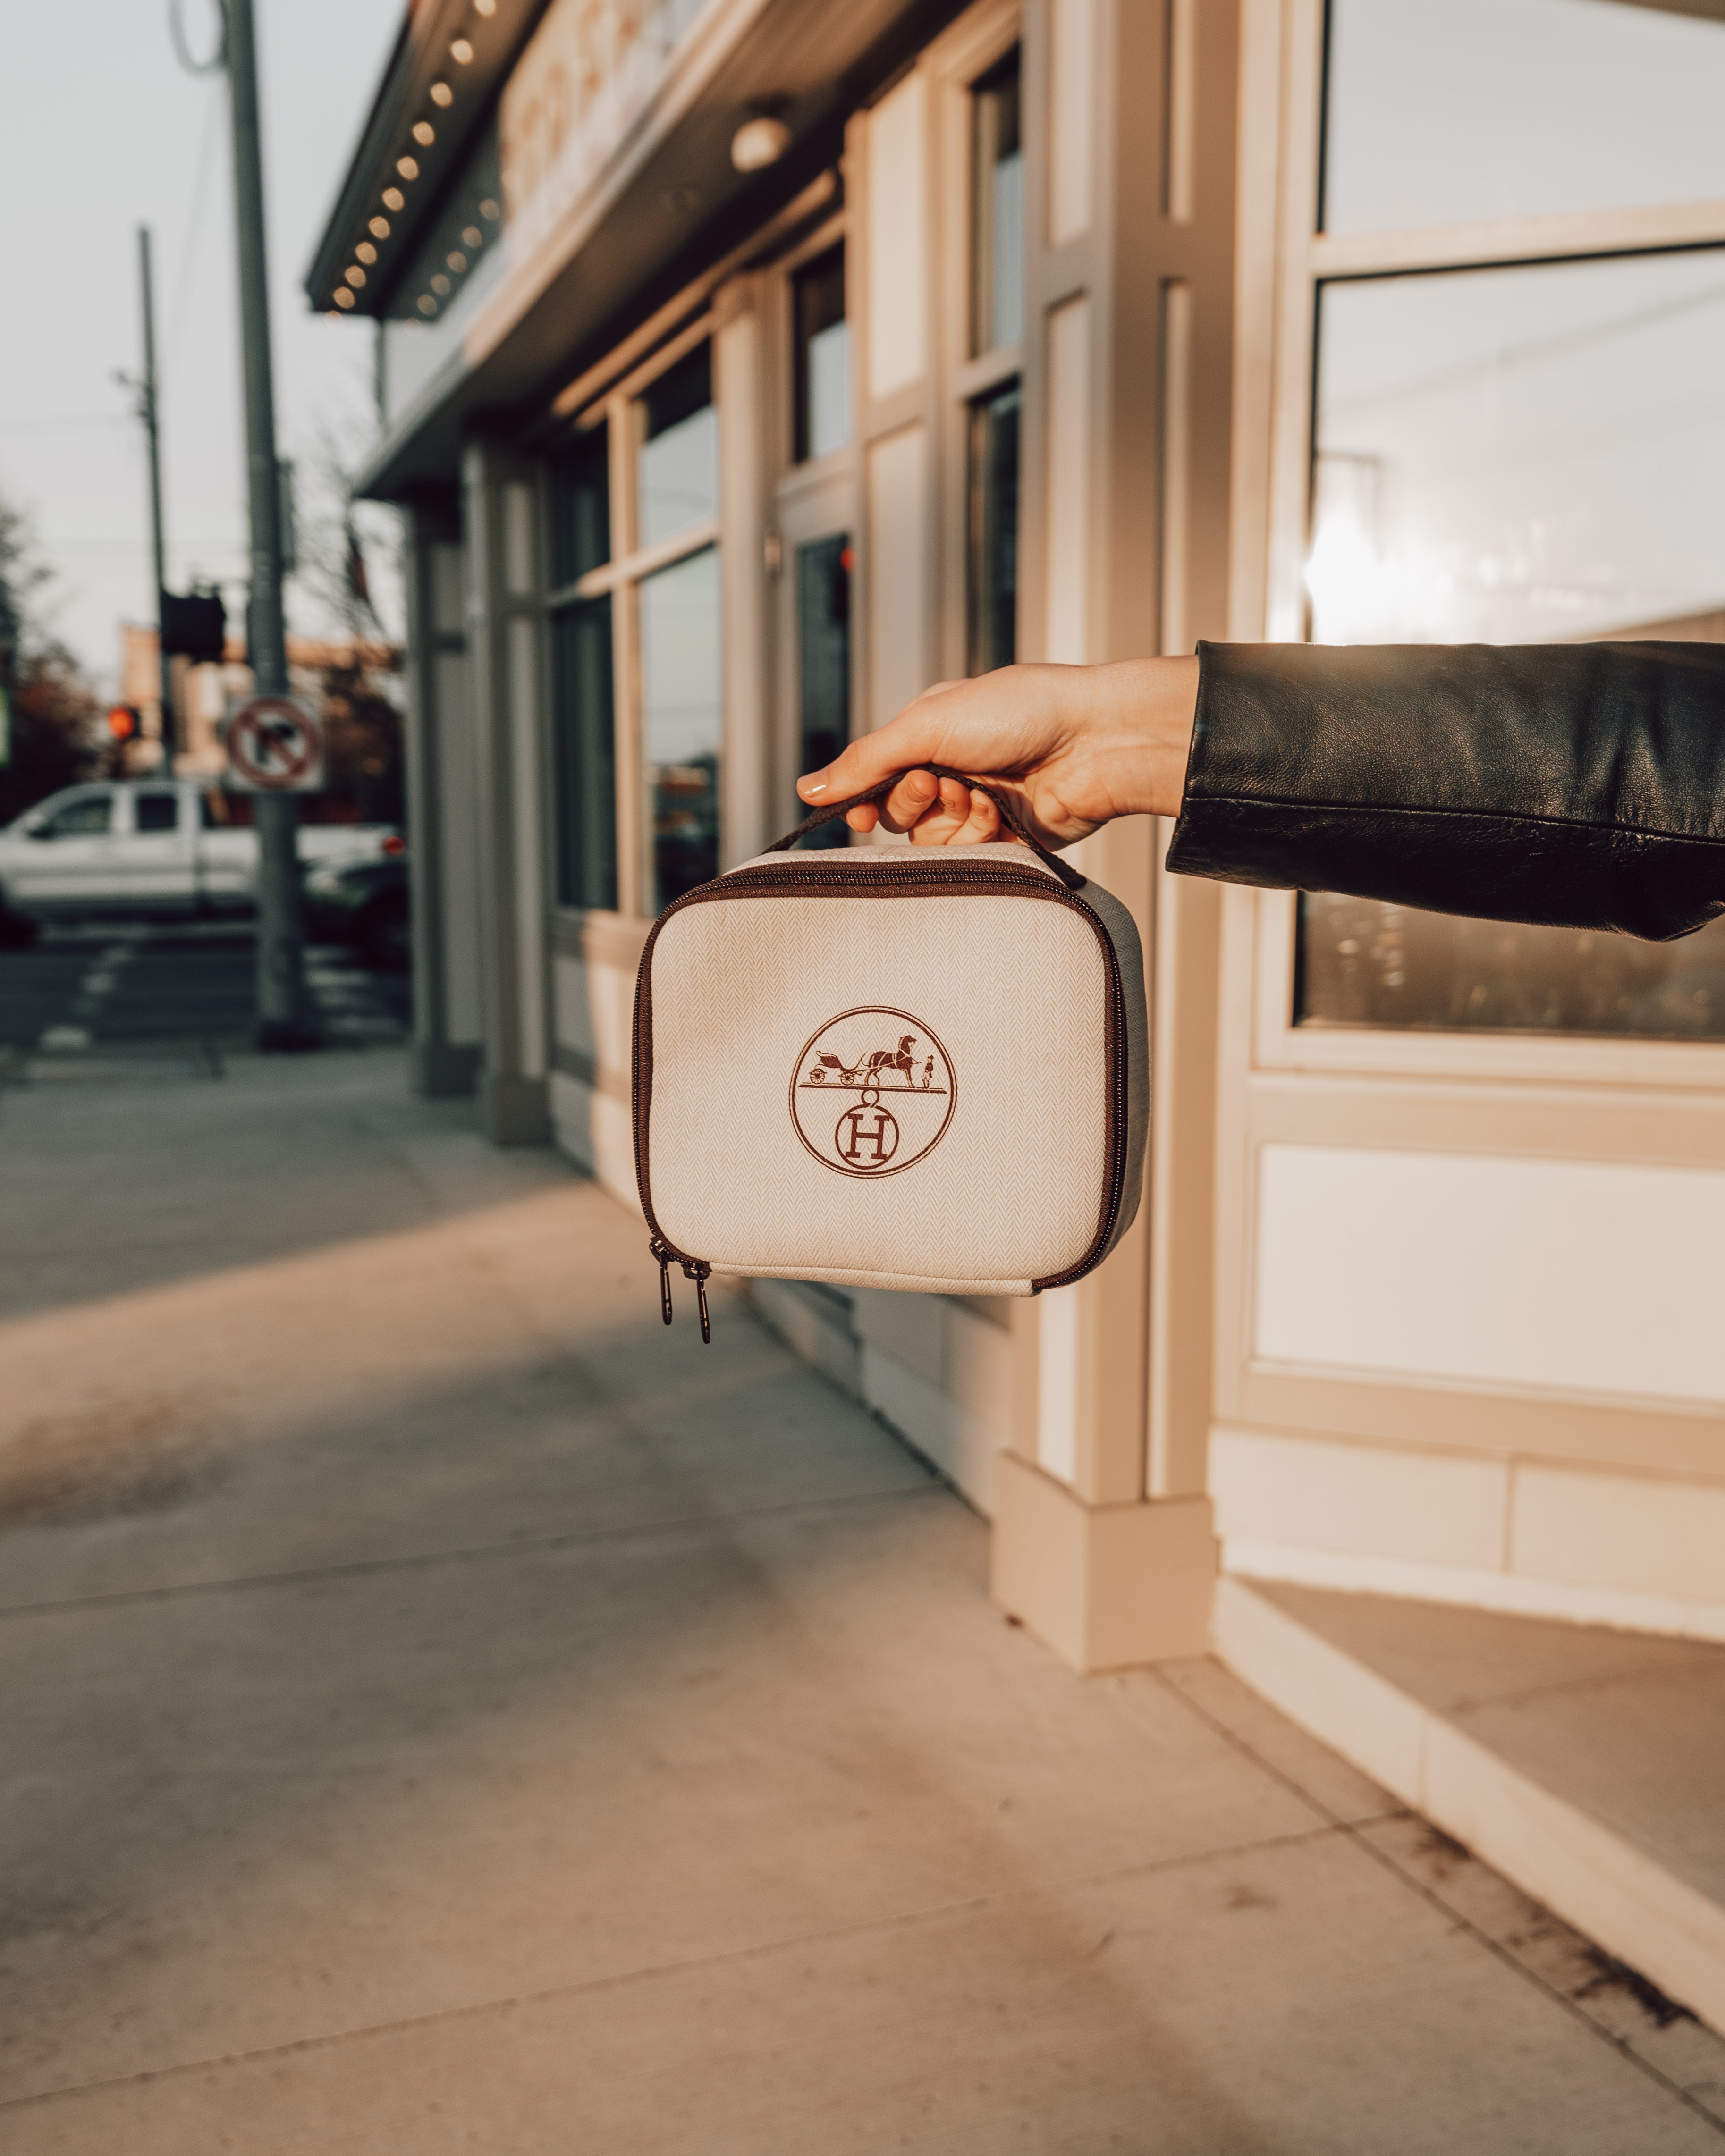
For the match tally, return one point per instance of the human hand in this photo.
(1074, 745)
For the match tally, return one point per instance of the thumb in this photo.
(914, 738)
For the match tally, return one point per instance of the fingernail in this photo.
(809, 787)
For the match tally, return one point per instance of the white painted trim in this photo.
(1510, 1593)
(1594, 1879)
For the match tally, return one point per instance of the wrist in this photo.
(1143, 713)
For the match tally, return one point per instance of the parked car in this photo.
(364, 904)
(151, 847)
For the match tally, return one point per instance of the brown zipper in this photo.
(830, 879)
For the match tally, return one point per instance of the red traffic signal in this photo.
(125, 722)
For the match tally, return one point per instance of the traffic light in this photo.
(195, 623)
(125, 722)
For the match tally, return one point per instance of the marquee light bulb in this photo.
(408, 167)
(393, 198)
(441, 94)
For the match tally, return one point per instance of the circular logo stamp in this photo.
(873, 1091)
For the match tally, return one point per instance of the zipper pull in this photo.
(658, 1250)
(697, 1269)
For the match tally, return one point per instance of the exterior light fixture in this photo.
(344, 298)
(365, 252)
(758, 143)
(408, 167)
(393, 198)
(457, 262)
(354, 273)
(379, 227)
(424, 134)
(461, 52)
(441, 94)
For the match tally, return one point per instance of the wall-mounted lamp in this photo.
(758, 143)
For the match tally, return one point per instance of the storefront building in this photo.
(1077, 330)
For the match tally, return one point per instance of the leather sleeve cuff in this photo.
(1581, 785)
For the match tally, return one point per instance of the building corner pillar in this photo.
(1106, 1586)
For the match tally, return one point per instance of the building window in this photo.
(822, 366)
(681, 717)
(1534, 452)
(998, 210)
(677, 466)
(824, 665)
(586, 755)
(997, 328)
(993, 520)
(634, 514)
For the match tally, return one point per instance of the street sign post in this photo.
(274, 746)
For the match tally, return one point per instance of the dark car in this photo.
(363, 904)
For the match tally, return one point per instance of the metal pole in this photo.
(286, 1017)
(158, 544)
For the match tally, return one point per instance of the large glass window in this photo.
(822, 418)
(993, 509)
(998, 210)
(1441, 110)
(823, 661)
(581, 510)
(1534, 452)
(679, 463)
(585, 744)
(996, 327)
(632, 512)
(681, 722)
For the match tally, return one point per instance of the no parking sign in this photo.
(274, 746)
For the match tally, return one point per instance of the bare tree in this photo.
(54, 731)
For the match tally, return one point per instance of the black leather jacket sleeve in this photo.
(1580, 784)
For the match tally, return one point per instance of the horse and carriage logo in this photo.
(895, 1086)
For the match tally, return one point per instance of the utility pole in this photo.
(286, 1017)
(148, 412)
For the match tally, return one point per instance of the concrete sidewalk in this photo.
(444, 1711)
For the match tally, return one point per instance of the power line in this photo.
(183, 275)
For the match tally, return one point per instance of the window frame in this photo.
(1282, 233)
(622, 410)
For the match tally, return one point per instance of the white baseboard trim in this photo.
(1511, 1594)
(1594, 1878)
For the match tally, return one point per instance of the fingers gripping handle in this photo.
(1011, 815)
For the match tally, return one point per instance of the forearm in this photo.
(1579, 784)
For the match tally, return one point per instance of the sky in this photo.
(102, 130)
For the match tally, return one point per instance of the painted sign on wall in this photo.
(589, 71)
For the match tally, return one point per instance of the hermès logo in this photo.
(892, 1082)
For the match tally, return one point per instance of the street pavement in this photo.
(97, 986)
(444, 1711)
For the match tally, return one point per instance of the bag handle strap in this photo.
(1011, 815)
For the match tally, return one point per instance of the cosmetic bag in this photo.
(913, 1067)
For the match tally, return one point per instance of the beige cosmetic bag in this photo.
(909, 1067)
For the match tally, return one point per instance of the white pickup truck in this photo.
(150, 846)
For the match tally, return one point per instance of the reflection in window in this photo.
(994, 530)
(1366, 964)
(1445, 109)
(85, 818)
(823, 360)
(585, 743)
(824, 665)
(997, 194)
(1520, 455)
(679, 453)
(681, 723)
(580, 511)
